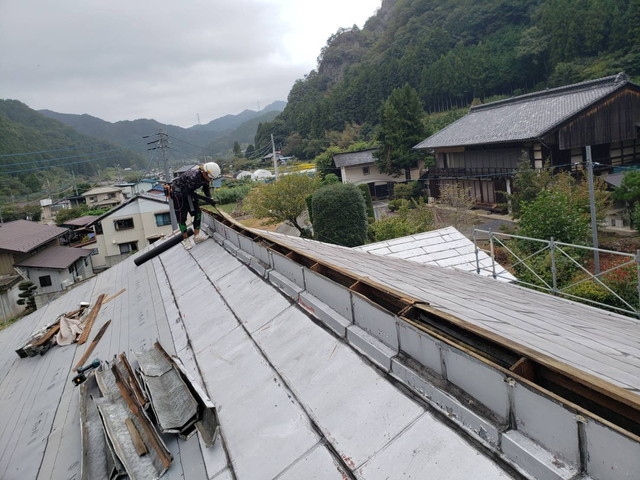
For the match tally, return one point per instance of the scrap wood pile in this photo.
(66, 329)
(123, 412)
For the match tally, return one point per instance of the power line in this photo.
(59, 165)
(59, 158)
(47, 151)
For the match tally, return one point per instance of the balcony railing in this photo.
(468, 172)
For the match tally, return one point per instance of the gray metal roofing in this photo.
(444, 247)
(81, 221)
(562, 329)
(353, 158)
(56, 257)
(289, 394)
(22, 235)
(294, 400)
(524, 117)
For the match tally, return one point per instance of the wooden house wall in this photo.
(613, 120)
(6, 264)
(492, 159)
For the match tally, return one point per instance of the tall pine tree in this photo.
(400, 130)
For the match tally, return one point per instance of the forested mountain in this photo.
(454, 52)
(35, 149)
(214, 138)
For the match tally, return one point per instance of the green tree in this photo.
(527, 183)
(399, 131)
(250, 151)
(552, 214)
(69, 213)
(237, 150)
(339, 215)
(368, 201)
(282, 200)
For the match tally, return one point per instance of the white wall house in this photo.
(359, 167)
(104, 197)
(56, 268)
(138, 222)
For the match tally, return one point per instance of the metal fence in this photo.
(556, 249)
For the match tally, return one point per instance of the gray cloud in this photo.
(122, 60)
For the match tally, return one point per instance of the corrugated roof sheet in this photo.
(56, 257)
(525, 117)
(21, 236)
(353, 158)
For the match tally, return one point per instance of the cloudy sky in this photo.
(168, 60)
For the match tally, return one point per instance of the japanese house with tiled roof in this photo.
(481, 151)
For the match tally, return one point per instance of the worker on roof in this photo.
(181, 191)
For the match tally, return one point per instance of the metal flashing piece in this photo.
(98, 458)
(198, 412)
(118, 408)
(174, 407)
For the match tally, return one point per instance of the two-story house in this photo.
(33, 250)
(482, 150)
(103, 197)
(359, 167)
(138, 222)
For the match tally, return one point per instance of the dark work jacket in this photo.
(189, 182)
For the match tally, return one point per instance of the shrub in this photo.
(26, 295)
(234, 194)
(366, 194)
(551, 214)
(339, 215)
(408, 221)
(399, 203)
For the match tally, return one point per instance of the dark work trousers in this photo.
(183, 205)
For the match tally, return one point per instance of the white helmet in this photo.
(212, 169)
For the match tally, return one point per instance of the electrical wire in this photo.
(47, 151)
(6, 165)
(59, 165)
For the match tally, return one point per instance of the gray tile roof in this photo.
(57, 257)
(354, 158)
(524, 117)
(22, 236)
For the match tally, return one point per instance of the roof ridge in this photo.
(620, 78)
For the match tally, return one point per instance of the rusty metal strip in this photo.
(92, 345)
(148, 430)
(114, 296)
(90, 319)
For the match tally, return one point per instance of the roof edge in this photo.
(619, 79)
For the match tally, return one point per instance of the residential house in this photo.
(103, 197)
(19, 241)
(80, 228)
(56, 268)
(482, 150)
(359, 167)
(130, 227)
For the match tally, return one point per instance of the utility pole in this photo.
(75, 185)
(162, 143)
(275, 158)
(592, 206)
